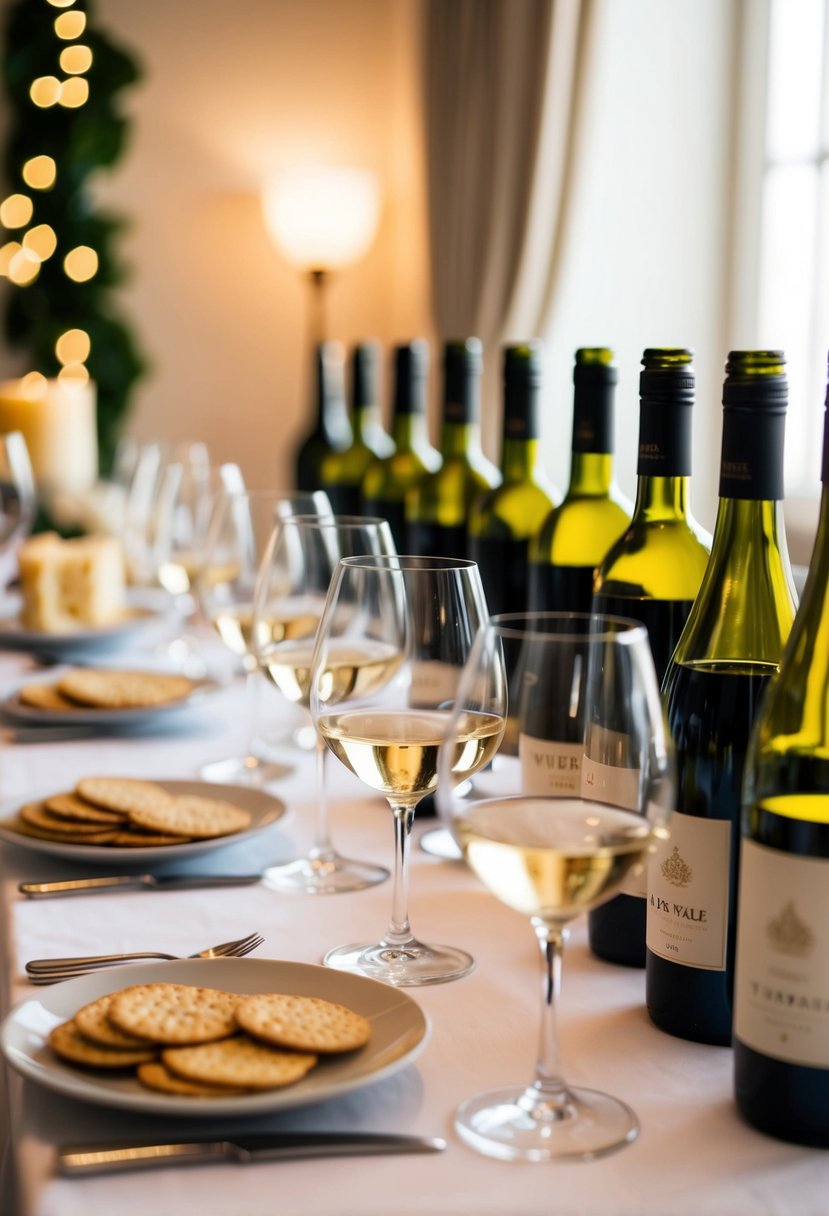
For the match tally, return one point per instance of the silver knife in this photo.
(135, 882)
(83, 1160)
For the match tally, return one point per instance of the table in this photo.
(693, 1155)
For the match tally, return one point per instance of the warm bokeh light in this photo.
(16, 211)
(41, 241)
(24, 268)
(74, 92)
(61, 3)
(7, 252)
(322, 218)
(40, 172)
(45, 91)
(34, 385)
(70, 25)
(73, 346)
(73, 375)
(81, 263)
(74, 59)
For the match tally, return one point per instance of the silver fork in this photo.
(50, 970)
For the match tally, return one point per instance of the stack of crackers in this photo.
(204, 1042)
(128, 813)
(103, 688)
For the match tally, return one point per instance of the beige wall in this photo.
(230, 92)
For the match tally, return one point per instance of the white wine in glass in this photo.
(576, 800)
(293, 582)
(388, 731)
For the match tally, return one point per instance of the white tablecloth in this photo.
(693, 1155)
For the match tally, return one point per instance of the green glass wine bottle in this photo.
(728, 651)
(343, 471)
(437, 507)
(388, 478)
(781, 1013)
(577, 533)
(332, 430)
(653, 573)
(503, 521)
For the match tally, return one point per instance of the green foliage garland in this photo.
(81, 141)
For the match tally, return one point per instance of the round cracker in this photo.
(71, 807)
(304, 1023)
(239, 1061)
(125, 794)
(126, 839)
(25, 829)
(44, 696)
(105, 689)
(193, 816)
(67, 1042)
(92, 1021)
(37, 816)
(174, 1013)
(158, 1077)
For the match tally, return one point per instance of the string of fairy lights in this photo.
(32, 244)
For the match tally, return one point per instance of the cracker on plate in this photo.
(44, 696)
(158, 1077)
(194, 816)
(127, 794)
(238, 1061)
(92, 1021)
(174, 1013)
(108, 689)
(67, 1042)
(303, 1023)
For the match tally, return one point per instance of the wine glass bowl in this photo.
(565, 818)
(18, 499)
(415, 618)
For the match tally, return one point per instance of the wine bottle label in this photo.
(688, 884)
(549, 767)
(433, 683)
(781, 987)
(618, 786)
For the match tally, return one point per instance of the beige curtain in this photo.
(504, 88)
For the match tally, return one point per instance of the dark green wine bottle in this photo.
(577, 533)
(652, 573)
(781, 1050)
(729, 649)
(332, 430)
(437, 507)
(503, 521)
(388, 478)
(343, 472)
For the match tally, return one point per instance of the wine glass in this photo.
(18, 499)
(238, 535)
(419, 616)
(294, 578)
(573, 805)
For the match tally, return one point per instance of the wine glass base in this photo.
(408, 966)
(512, 1124)
(329, 875)
(439, 842)
(244, 770)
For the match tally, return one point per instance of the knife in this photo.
(82, 1160)
(135, 882)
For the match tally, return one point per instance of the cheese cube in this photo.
(71, 584)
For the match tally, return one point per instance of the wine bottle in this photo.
(728, 651)
(343, 472)
(437, 507)
(332, 430)
(388, 478)
(503, 521)
(781, 1015)
(577, 534)
(652, 573)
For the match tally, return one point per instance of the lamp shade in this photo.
(322, 218)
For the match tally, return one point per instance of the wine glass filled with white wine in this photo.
(566, 817)
(387, 723)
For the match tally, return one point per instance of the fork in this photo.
(50, 970)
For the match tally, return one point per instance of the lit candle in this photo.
(57, 420)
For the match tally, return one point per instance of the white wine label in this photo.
(610, 783)
(549, 767)
(688, 881)
(781, 987)
(434, 684)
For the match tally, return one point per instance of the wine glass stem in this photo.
(322, 849)
(399, 932)
(548, 1085)
(251, 707)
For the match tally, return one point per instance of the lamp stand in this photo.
(319, 281)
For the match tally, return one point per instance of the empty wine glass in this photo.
(18, 499)
(416, 618)
(239, 532)
(290, 596)
(570, 810)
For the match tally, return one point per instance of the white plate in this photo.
(399, 1031)
(19, 711)
(264, 810)
(141, 612)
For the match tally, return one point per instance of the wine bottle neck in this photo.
(661, 498)
(519, 459)
(459, 439)
(365, 422)
(591, 474)
(409, 431)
